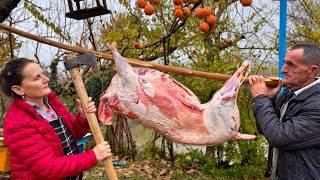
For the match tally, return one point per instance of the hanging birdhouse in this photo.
(82, 9)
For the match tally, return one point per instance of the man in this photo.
(290, 119)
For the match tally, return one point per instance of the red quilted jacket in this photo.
(35, 148)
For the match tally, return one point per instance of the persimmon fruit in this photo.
(137, 45)
(141, 3)
(204, 27)
(199, 13)
(179, 13)
(155, 1)
(177, 2)
(246, 3)
(206, 11)
(186, 12)
(149, 9)
(211, 19)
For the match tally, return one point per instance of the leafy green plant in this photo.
(195, 159)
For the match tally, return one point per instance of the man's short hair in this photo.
(311, 52)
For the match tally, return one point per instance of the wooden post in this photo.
(92, 119)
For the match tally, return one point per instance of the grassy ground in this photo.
(161, 169)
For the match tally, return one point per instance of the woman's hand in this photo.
(91, 108)
(102, 151)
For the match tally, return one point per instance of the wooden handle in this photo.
(136, 62)
(92, 120)
(269, 82)
(272, 82)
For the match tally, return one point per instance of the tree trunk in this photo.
(6, 6)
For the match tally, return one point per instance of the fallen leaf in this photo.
(164, 172)
(100, 174)
(191, 171)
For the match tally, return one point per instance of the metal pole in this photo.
(282, 35)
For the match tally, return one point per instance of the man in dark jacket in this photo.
(290, 119)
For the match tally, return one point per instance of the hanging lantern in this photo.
(99, 7)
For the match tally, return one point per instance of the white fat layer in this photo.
(218, 118)
(122, 66)
(125, 89)
(147, 88)
(151, 116)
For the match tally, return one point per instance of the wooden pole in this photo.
(92, 120)
(160, 67)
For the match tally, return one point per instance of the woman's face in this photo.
(34, 85)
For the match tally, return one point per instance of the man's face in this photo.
(295, 71)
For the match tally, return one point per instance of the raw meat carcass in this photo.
(158, 101)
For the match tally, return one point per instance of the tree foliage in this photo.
(46, 20)
(305, 17)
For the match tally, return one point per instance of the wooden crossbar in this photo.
(135, 62)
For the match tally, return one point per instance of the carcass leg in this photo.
(240, 136)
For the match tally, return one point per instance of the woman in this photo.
(39, 131)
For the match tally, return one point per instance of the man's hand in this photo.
(258, 86)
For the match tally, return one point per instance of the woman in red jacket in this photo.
(39, 131)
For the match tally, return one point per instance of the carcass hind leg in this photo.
(240, 136)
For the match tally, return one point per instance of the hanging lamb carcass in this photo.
(158, 101)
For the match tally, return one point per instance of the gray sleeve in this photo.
(299, 131)
(264, 104)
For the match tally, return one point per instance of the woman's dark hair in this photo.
(12, 74)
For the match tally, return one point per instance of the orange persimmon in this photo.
(149, 9)
(246, 3)
(211, 19)
(204, 27)
(141, 3)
